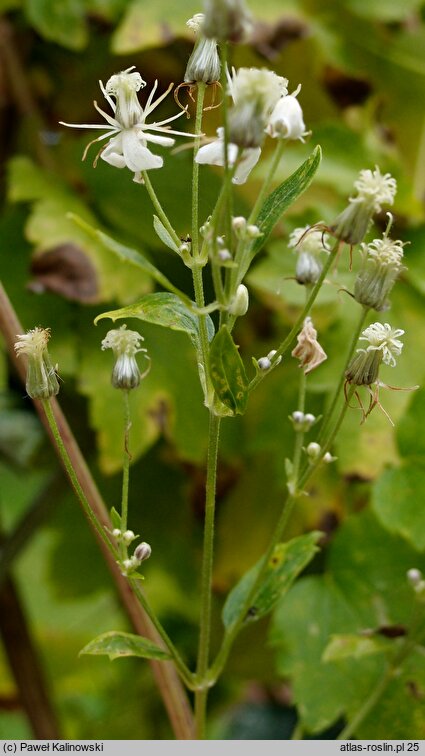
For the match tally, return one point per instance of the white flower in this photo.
(213, 154)
(125, 345)
(41, 380)
(256, 84)
(127, 130)
(375, 189)
(254, 87)
(382, 338)
(286, 120)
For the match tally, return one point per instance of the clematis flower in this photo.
(127, 132)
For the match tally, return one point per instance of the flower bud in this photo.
(125, 345)
(286, 120)
(240, 302)
(224, 255)
(414, 576)
(309, 243)
(117, 533)
(328, 458)
(41, 380)
(226, 20)
(142, 552)
(239, 225)
(308, 269)
(204, 63)
(313, 450)
(265, 363)
(253, 232)
(128, 537)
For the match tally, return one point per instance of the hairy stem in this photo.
(206, 580)
(287, 343)
(126, 461)
(330, 411)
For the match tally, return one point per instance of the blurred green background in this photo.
(362, 69)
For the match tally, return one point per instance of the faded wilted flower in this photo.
(308, 349)
(41, 380)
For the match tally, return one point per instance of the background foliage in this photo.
(362, 71)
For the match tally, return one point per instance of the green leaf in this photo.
(395, 500)
(165, 310)
(163, 234)
(142, 27)
(49, 227)
(411, 444)
(283, 197)
(129, 255)
(228, 373)
(363, 587)
(62, 22)
(287, 561)
(349, 645)
(115, 518)
(118, 644)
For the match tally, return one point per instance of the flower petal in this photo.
(250, 157)
(137, 156)
(113, 154)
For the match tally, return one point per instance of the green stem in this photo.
(180, 666)
(126, 461)
(329, 441)
(73, 477)
(195, 171)
(368, 705)
(159, 210)
(287, 343)
(228, 173)
(285, 515)
(244, 247)
(206, 580)
(185, 673)
(337, 394)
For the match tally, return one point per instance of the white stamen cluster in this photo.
(195, 23)
(258, 84)
(375, 189)
(308, 240)
(33, 343)
(383, 338)
(385, 252)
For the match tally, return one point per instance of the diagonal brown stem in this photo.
(169, 684)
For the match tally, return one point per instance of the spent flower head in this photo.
(125, 345)
(255, 92)
(204, 62)
(127, 131)
(384, 346)
(41, 380)
(382, 264)
(227, 20)
(374, 189)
